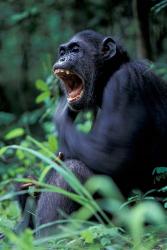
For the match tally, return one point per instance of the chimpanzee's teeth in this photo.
(67, 72)
(70, 99)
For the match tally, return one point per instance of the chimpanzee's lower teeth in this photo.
(75, 98)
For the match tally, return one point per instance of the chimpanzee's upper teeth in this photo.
(62, 71)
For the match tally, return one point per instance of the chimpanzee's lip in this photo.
(73, 83)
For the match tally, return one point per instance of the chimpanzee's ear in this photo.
(108, 49)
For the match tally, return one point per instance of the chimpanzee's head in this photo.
(82, 64)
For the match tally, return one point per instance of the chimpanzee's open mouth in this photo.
(73, 83)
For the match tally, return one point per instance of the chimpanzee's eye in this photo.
(61, 52)
(75, 49)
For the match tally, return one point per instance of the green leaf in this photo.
(144, 212)
(105, 241)
(87, 236)
(6, 118)
(159, 170)
(17, 132)
(53, 144)
(86, 127)
(20, 154)
(3, 150)
(165, 205)
(41, 85)
(43, 97)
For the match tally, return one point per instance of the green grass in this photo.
(138, 227)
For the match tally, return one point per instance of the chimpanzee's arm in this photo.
(117, 132)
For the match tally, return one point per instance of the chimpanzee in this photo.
(129, 135)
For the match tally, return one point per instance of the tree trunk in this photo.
(141, 9)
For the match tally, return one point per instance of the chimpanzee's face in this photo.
(80, 66)
(76, 69)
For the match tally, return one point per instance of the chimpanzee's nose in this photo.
(59, 64)
(62, 59)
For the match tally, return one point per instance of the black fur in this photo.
(52, 206)
(129, 136)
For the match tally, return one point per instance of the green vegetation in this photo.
(30, 34)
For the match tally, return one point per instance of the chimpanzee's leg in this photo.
(51, 204)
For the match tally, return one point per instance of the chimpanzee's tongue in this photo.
(75, 94)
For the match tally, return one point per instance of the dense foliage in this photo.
(30, 34)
